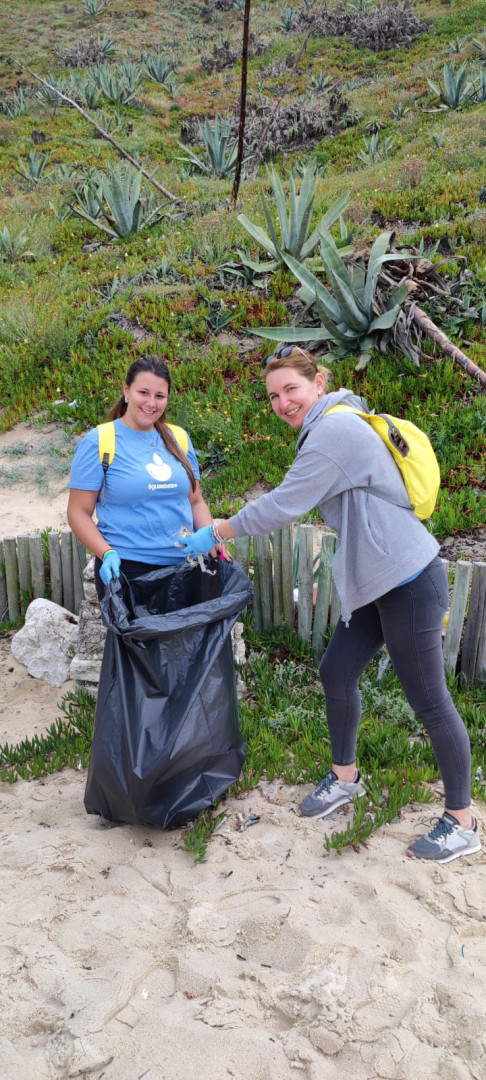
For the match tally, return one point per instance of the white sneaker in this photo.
(331, 793)
(446, 841)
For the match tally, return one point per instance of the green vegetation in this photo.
(348, 308)
(73, 288)
(283, 720)
(295, 222)
(218, 156)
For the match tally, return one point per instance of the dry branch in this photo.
(428, 327)
(104, 135)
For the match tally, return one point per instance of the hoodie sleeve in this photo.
(313, 477)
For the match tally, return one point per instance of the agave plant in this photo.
(16, 104)
(157, 66)
(245, 270)
(400, 111)
(123, 208)
(480, 45)
(480, 88)
(116, 86)
(295, 223)
(457, 46)
(321, 83)
(110, 123)
(218, 157)
(94, 7)
(438, 139)
(287, 18)
(32, 168)
(106, 45)
(13, 248)
(131, 71)
(375, 149)
(65, 173)
(89, 198)
(48, 94)
(348, 310)
(457, 90)
(84, 91)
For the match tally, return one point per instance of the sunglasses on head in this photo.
(280, 354)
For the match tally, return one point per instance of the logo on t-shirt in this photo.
(159, 469)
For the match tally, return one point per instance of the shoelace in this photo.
(326, 783)
(441, 830)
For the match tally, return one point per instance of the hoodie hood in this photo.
(337, 397)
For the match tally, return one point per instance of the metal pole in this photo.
(241, 129)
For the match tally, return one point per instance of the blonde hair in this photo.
(299, 359)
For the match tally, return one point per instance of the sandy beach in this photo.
(124, 959)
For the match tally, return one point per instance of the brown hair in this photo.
(299, 359)
(155, 366)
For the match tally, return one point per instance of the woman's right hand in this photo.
(110, 566)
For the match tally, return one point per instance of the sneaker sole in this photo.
(335, 806)
(450, 858)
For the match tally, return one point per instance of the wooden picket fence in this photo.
(31, 568)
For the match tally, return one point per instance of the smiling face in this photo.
(147, 400)
(292, 394)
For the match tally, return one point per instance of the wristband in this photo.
(216, 532)
(107, 552)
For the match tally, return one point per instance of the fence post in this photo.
(457, 611)
(37, 567)
(242, 552)
(473, 662)
(305, 583)
(55, 567)
(288, 605)
(11, 576)
(335, 607)
(25, 571)
(283, 587)
(67, 570)
(263, 583)
(3, 588)
(78, 564)
(242, 555)
(278, 614)
(324, 584)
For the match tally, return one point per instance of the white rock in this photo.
(46, 643)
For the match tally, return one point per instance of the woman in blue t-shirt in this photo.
(150, 490)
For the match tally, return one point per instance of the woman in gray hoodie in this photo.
(392, 585)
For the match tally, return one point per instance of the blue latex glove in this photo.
(200, 542)
(110, 567)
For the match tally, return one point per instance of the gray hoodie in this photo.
(338, 459)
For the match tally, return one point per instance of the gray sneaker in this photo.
(446, 841)
(330, 794)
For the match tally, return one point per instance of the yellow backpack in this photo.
(106, 441)
(412, 451)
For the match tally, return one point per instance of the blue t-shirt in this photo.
(144, 500)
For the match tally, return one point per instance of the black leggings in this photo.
(408, 620)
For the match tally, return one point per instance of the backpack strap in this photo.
(395, 436)
(106, 443)
(180, 435)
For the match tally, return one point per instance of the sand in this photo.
(123, 959)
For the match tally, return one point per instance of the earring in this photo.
(126, 401)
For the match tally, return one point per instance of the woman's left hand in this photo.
(198, 543)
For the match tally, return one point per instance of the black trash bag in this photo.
(167, 741)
